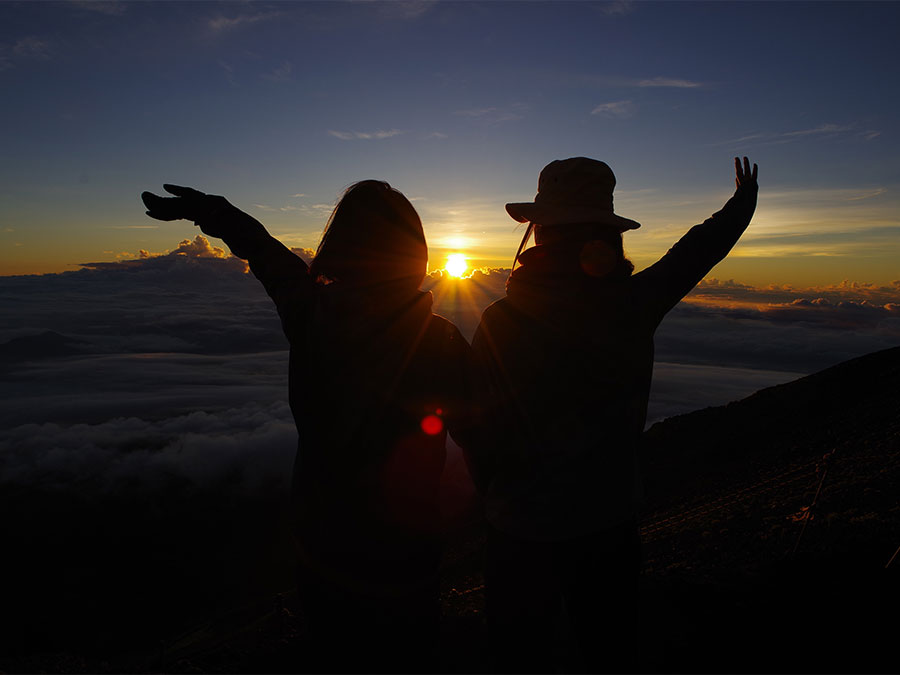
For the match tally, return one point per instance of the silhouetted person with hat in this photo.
(375, 381)
(567, 358)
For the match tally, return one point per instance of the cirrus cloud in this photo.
(670, 82)
(365, 135)
(618, 109)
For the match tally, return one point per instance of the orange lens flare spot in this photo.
(432, 425)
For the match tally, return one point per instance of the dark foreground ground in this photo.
(769, 535)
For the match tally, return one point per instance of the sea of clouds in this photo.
(166, 374)
(177, 347)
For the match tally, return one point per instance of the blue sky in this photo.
(459, 105)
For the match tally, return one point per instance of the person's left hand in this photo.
(743, 176)
(187, 204)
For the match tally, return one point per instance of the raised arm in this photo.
(283, 274)
(667, 281)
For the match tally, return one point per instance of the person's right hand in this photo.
(743, 177)
(187, 204)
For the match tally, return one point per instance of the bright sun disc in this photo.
(456, 264)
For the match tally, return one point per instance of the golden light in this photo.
(456, 264)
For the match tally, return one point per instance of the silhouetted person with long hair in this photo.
(568, 357)
(375, 380)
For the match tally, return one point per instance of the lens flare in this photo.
(456, 264)
(432, 425)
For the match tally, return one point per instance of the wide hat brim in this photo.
(549, 215)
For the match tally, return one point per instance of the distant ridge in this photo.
(46, 345)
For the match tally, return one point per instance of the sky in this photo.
(279, 106)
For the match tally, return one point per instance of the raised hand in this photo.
(187, 204)
(742, 175)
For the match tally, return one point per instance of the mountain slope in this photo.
(848, 407)
(770, 526)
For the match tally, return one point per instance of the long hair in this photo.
(374, 236)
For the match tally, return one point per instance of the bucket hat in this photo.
(574, 190)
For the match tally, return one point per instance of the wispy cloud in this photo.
(819, 130)
(279, 209)
(32, 48)
(28, 48)
(867, 195)
(619, 109)
(825, 130)
(668, 82)
(221, 24)
(364, 135)
(228, 69)
(281, 74)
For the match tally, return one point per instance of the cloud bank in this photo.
(173, 346)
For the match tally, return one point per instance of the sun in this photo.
(456, 264)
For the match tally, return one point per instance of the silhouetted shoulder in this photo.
(495, 309)
(445, 329)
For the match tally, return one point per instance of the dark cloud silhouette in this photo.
(98, 387)
(780, 327)
(249, 448)
(722, 292)
(174, 302)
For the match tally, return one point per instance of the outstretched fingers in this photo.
(180, 191)
(743, 174)
(163, 208)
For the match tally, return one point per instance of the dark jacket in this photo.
(375, 382)
(568, 360)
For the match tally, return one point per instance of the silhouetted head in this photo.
(599, 246)
(373, 237)
(574, 190)
(574, 202)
